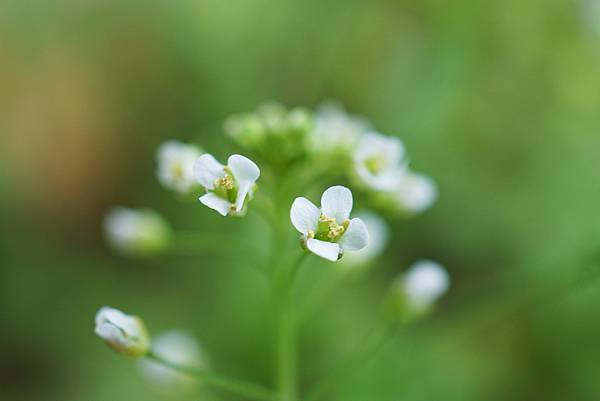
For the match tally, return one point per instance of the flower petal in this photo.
(304, 215)
(336, 202)
(243, 169)
(243, 189)
(216, 203)
(168, 150)
(356, 236)
(416, 192)
(326, 250)
(207, 170)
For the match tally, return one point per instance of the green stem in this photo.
(238, 387)
(286, 344)
(286, 330)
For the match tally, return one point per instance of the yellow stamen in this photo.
(225, 182)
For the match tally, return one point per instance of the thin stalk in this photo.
(286, 331)
(286, 344)
(238, 387)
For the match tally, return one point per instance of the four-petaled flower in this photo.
(123, 333)
(379, 161)
(328, 232)
(228, 187)
(175, 165)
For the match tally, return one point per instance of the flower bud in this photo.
(272, 133)
(123, 333)
(136, 232)
(415, 292)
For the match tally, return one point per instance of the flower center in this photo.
(226, 187)
(225, 182)
(177, 170)
(329, 230)
(375, 164)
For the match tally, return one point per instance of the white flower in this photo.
(179, 348)
(228, 187)
(414, 192)
(136, 231)
(335, 129)
(379, 233)
(175, 169)
(590, 14)
(424, 283)
(379, 161)
(124, 333)
(328, 231)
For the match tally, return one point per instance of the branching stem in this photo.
(239, 387)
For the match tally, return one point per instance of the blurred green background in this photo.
(498, 100)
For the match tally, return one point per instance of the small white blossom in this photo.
(124, 333)
(414, 192)
(179, 348)
(136, 231)
(424, 283)
(379, 233)
(335, 129)
(175, 165)
(379, 161)
(590, 14)
(328, 231)
(227, 187)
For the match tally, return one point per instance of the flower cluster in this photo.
(346, 144)
(301, 153)
(273, 133)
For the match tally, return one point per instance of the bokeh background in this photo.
(498, 100)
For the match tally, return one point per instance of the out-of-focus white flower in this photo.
(136, 231)
(175, 169)
(414, 192)
(423, 284)
(335, 130)
(379, 161)
(590, 14)
(228, 187)
(328, 231)
(123, 333)
(379, 233)
(179, 348)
